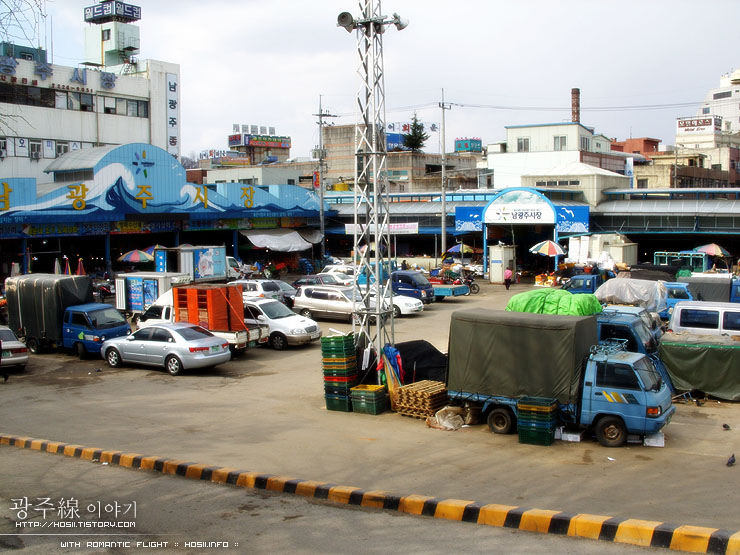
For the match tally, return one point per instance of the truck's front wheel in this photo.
(81, 351)
(501, 421)
(611, 432)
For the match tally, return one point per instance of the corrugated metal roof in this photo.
(666, 207)
(84, 159)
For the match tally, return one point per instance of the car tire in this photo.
(278, 341)
(501, 421)
(396, 312)
(611, 431)
(34, 346)
(113, 357)
(173, 365)
(305, 313)
(81, 351)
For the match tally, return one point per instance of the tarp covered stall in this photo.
(36, 302)
(651, 295)
(422, 361)
(715, 288)
(494, 352)
(707, 363)
(554, 301)
(282, 240)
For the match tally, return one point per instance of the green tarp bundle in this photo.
(707, 363)
(554, 301)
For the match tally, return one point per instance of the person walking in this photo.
(507, 277)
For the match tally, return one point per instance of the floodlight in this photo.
(400, 22)
(346, 20)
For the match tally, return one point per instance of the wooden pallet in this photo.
(421, 399)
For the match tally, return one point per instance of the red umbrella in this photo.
(80, 268)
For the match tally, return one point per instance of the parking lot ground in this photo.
(264, 412)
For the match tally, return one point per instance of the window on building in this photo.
(560, 142)
(642, 183)
(291, 181)
(60, 100)
(143, 109)
(719, 95)
(73, 101)
(522, 144)
(26, 56)
(585, 144)
(574, 182)
(86, 102)
(105, 35)
(705, 110)
(34, 149)
(62, 148)
(109, 105)
(121, 106)
(132, 108)
(3, 147)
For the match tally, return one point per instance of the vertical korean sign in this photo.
(173, 117)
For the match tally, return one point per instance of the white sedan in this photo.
(403, 305)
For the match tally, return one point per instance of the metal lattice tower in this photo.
(374, 320)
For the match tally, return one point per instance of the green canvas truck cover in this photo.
(513, 354)
(36, 302)
(554, 301)
(707, 363)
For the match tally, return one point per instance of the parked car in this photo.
(317, 279)
(266, 288)
(342, 279)
(346, 269)
(324, 301)
(176, 347)
(14, 352)
(288, 292)
(402, 305)
(286, 327)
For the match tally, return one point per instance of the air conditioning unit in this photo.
(35, 155)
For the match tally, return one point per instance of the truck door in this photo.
(403, 285)
(617, 391)
(76, 329)
(158, 346)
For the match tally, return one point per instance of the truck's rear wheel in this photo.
(33, 345)
(501, 421)
(611, 432)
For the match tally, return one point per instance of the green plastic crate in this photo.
(365, 407)
(536, 437)
(338, 402)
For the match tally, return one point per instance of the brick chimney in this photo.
(575, 105)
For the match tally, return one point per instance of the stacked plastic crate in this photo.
(537, 420)
(340, 371)
(369, 399)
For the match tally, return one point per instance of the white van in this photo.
(705, 318)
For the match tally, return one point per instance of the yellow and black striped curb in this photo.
(645, 533)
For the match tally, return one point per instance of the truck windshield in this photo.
(106, 318)
(648, 374)
(420, 280)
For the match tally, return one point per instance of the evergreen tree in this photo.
(415, 138)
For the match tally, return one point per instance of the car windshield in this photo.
(287, 287)
(276, 310)
(193, 333)
(419, 279)
(648, 374)
(7, 335)
(106, 318)
(270, 286)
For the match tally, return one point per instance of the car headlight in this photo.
(297, 331)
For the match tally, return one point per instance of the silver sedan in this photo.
(14, 352)
(176, 347)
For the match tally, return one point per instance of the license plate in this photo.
(315, 335)
(215, 348)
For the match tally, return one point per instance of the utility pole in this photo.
(322, 169)
(444, 176)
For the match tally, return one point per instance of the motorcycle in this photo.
(468, 280)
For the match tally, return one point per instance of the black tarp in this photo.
(494, 352)
(422, 361)
(36, 302)
(704, 288)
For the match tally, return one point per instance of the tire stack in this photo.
(537, 420)
(340, 371)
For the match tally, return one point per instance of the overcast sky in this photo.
(265, 62)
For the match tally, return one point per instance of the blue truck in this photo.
(583, 283)
(412, 283)
(57, 311)
(610, 391)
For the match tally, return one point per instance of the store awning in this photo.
(282, 240)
